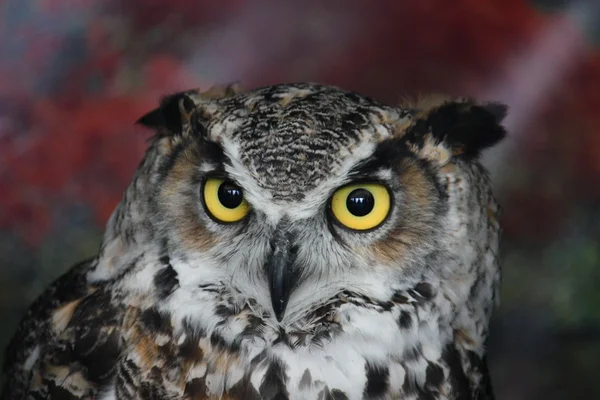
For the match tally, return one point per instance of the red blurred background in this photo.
(76, 74)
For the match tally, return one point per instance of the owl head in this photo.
(300, 198)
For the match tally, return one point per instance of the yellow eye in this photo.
(361, 206)
(224, 200)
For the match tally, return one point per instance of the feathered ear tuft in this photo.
(170, 115)
(175, 110)
(463, 127)
(498, 110)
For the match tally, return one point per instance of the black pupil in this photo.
(360, 202)
(230, 195)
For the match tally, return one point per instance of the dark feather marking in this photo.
(409, 385)
(128, 379)
(258, 359)
(484, 390)
(459, 382)
(321, 336)
(190, 348)
(196, 388)
(152, 390)
(405, 320)
(400, 297)
(155, 321)
(125, 376)
(352, 123)
(386, 154)
(306, 380)
(362, 300)
(273, 383)
(434, 376)
(254, 327)
(212, 152)
(101, 357)
(324, 394)
(377, 380)
(225, 310)
(243, 389)
(334, 394)
(166, 280)
(282, 337)
(337, 394)
(424, 290)
(217, 341)
(209, 287)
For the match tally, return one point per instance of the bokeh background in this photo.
(76, 74)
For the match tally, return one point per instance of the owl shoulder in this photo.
(68, 340)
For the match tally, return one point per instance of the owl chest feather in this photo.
(353, 348)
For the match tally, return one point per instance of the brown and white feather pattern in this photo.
(177, 305)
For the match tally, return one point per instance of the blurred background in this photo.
(76, 74)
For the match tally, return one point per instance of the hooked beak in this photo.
(279, 266)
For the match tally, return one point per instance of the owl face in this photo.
(307, 241)
(293, 195)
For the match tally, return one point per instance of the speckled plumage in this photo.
(177, 305)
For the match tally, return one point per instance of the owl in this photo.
(294, 241)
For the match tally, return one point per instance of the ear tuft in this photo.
(168, 115)
(498, 110)
(176, 109)
(466, 128)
